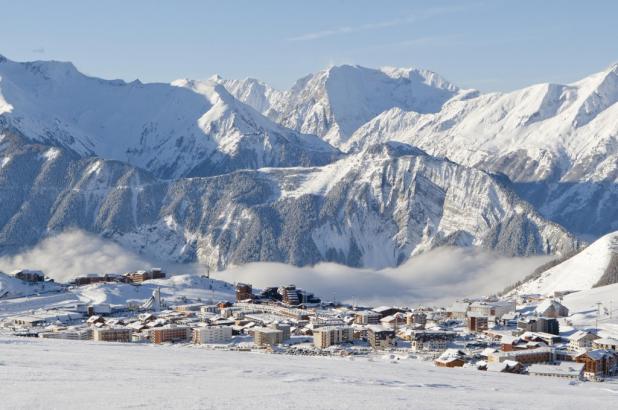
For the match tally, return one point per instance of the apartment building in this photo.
(581, 340)
(379, 337)
(324, 337)
(540, 355)
(418, 319)
(492, 309)
(265, 336)
(606, 343)
(212, 335)
(77, 334)
(171, 334)
(477, 323)
(112, 334)
(285, 329)
(367, 317)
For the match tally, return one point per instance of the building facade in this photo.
(111, 334)
(324, 337)
(170, 334)
(212, 334)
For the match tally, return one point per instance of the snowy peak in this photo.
(188, 128)
(596, 265)
(600, 91)
(335, 102)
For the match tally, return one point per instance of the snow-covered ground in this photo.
(38, 373)
(583, 309)
(580, 272)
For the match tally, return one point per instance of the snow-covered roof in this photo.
(381, 309)
(562, 369)
(580, 334)
(606, 341)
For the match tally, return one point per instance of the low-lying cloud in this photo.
(75, 253)
(441, 275)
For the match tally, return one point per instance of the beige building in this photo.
(324, 337)
(111, 334)
(284, 327)
(367, 317)
(212, 334)
(265, 336)
(606, 343)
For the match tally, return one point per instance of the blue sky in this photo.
(490, 45)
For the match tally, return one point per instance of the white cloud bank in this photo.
(441, 275)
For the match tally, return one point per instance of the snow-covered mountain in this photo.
(335, 102)
(558, 143)
(169, 130)
(596, 265)
(232, 171)
(375, 208)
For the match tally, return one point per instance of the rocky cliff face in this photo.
(557, 143)
(376, 208)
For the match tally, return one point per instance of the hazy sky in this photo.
(490, 45)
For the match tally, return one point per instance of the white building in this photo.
(581, 340)
(492, 309)
(565, 370)
(606, 343)
(212, 334)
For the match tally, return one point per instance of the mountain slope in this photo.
(591, 267)
(374, 209)
(169, 130)
(335, 102)
(557, 143)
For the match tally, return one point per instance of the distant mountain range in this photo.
(358, 166)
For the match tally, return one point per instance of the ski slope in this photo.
(68, 374)
(580, 272)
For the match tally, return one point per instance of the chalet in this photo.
(451, 358)
(512, 343)
(598, 364)
(581, 340)
(393, 321)
(94, 319)
(551, 308)
(387, 310)
(507, 366)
